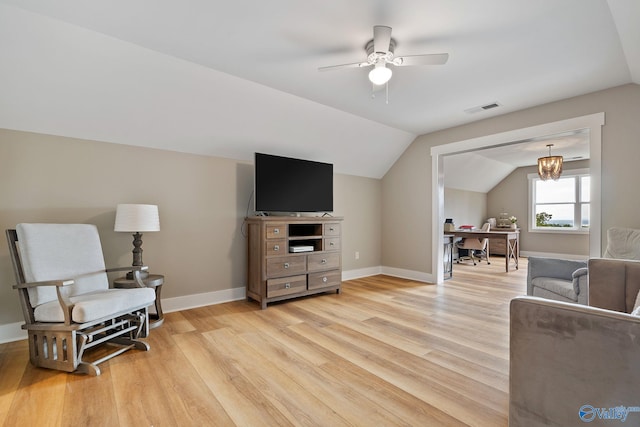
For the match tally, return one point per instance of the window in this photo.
(562, 205)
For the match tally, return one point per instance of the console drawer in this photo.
(275, 247)
(276, 231)
(286, 286)
(286, 266)
(325, 279)
(332, 244)
(324, 261)
(331, 229)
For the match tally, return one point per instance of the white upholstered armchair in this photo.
(66, 300)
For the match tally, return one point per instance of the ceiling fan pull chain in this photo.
(387, 91)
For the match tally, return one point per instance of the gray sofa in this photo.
(571, 364)
(558, 279)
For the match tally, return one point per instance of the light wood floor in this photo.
(385, 352)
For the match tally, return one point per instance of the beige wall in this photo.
(511, 195)
(406, 211)
(359, 201)
(202, 202)
(406, 196)
(465, 207)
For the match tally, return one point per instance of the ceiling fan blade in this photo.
(381, 38)
(352, 65)
(427, 59)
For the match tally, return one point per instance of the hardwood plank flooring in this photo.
(386, 351)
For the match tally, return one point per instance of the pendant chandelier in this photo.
(550, 167)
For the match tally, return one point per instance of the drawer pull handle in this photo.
(324, 260)
(276, 231)
(287, 285)
(286, 265)
(330, 243)
(276, 247)
(331, 229)
(324, 279)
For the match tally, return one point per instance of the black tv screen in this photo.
(284, 184)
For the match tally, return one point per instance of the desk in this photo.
(154, 281)
(511, 238)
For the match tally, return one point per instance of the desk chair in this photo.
(475, 247)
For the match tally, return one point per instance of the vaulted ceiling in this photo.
(231, 78)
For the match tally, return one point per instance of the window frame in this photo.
(576, 174)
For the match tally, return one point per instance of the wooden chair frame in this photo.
(62, 346)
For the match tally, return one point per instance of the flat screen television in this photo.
(284, 184)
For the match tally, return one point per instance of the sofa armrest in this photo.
(613, 283)
(564, 356)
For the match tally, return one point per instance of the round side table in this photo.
(154, 281)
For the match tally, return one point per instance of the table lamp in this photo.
(137, 219)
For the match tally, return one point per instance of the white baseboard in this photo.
(12, 332)
(362, 272)
(408, 274)
(200, 300)
(389, 271)
(553, 255)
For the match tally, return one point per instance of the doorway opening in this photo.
(592, 123)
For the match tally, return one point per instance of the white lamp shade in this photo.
(380, 74)
(137, 218)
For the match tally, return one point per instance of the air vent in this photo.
(490, 106)
(480, 108)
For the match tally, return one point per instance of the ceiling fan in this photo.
(380, 53)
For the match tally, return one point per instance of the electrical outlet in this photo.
(357, 255)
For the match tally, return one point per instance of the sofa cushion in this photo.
(563, 288)
(96, 305)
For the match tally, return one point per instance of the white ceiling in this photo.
(481, 170)
(232, 78)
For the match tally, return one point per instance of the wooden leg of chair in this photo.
(88, 368)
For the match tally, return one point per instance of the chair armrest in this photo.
(43, 283)
(136, 273)
(580, 272)
(130, 268)
(581, 285)
(63, 300)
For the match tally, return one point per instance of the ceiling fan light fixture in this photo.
(550, 167)
(380, 74)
